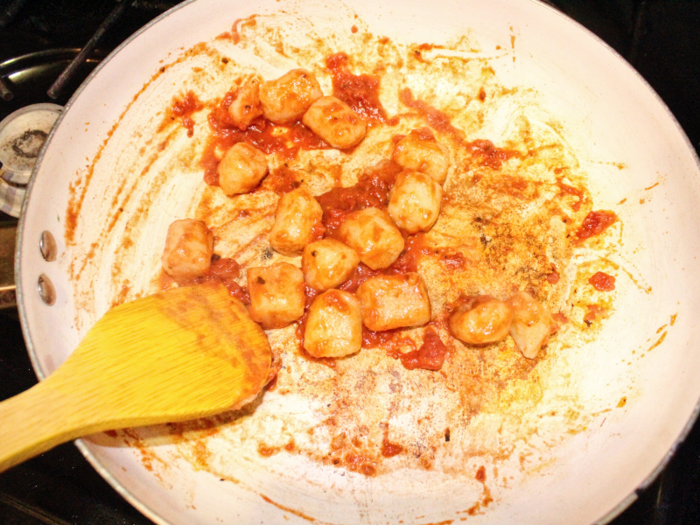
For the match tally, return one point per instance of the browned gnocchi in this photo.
(334, 325)
(332, 119)
(241, 169)
(372, 233)
(481, 319)
(414, 201)
(328, 263)
(394, 301)
(532, 324)
(420, 151)
(296, 221)
(246, 107)
(287, 98)
(189, 245)
(277, 296)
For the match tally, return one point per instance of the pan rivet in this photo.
(46, 290)
(47, 245)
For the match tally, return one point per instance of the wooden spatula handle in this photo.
(36, 421)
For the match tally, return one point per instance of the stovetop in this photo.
(658, 37)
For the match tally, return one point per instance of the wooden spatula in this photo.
(180, 354)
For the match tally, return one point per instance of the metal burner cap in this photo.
(22, 135)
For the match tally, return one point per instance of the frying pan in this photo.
(633, 389)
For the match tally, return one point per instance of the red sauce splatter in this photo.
(430, 356)
(489, 155)
(281, 180)
(361, 464)
(360, 92)
(435, 118)
(602, 282)
(553, 277)
(353, 29)
(359, 276)
(594, 311)
(595, 223)
(224, 270)
(284, 139)
(372, 190)
(481, 474)
(390, 449)
(565, 189)
(183, 108)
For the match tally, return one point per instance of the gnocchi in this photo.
(532, 324)
(328, 263)
(297, 220)
(241, 169)
(414, 201)
(480, 320)
(420, 151)
(334, 325)
(335, 122)
(246, 107)
(287, 98)
(277, 295)
(189, 245)
(372, 233)
(394, 301)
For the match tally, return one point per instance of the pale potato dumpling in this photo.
(415, 201)
(480, 320)
(532, 324)
(420, 151)
(334, 325)
(328, 263)
(394, 301)
(189, 245)
(374, 236)
(246, 107)
(241, 169)
(287, 98)
(335, 122)
(298, 214)
(277, 295)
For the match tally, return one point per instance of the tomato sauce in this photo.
(430, 356)
(437, 120)
(565, 189)
(595, 223)
(489, 155)
(226, 271)
(283, 139)
(360, 92)
(372, 190)
(183, 108)
(602, 282)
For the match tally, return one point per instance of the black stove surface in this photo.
(660, 38)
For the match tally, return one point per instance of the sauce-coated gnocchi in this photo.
(334, 325)
(277, 296)
(189, 246)
(374, 236)
(328, 263)
(297, 219)
(420, 151)
(394, 301)
(287, 98)
(480, 320)
(241, 169)
(334, 121)
(414, 202)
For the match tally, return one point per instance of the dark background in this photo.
(660, 38)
